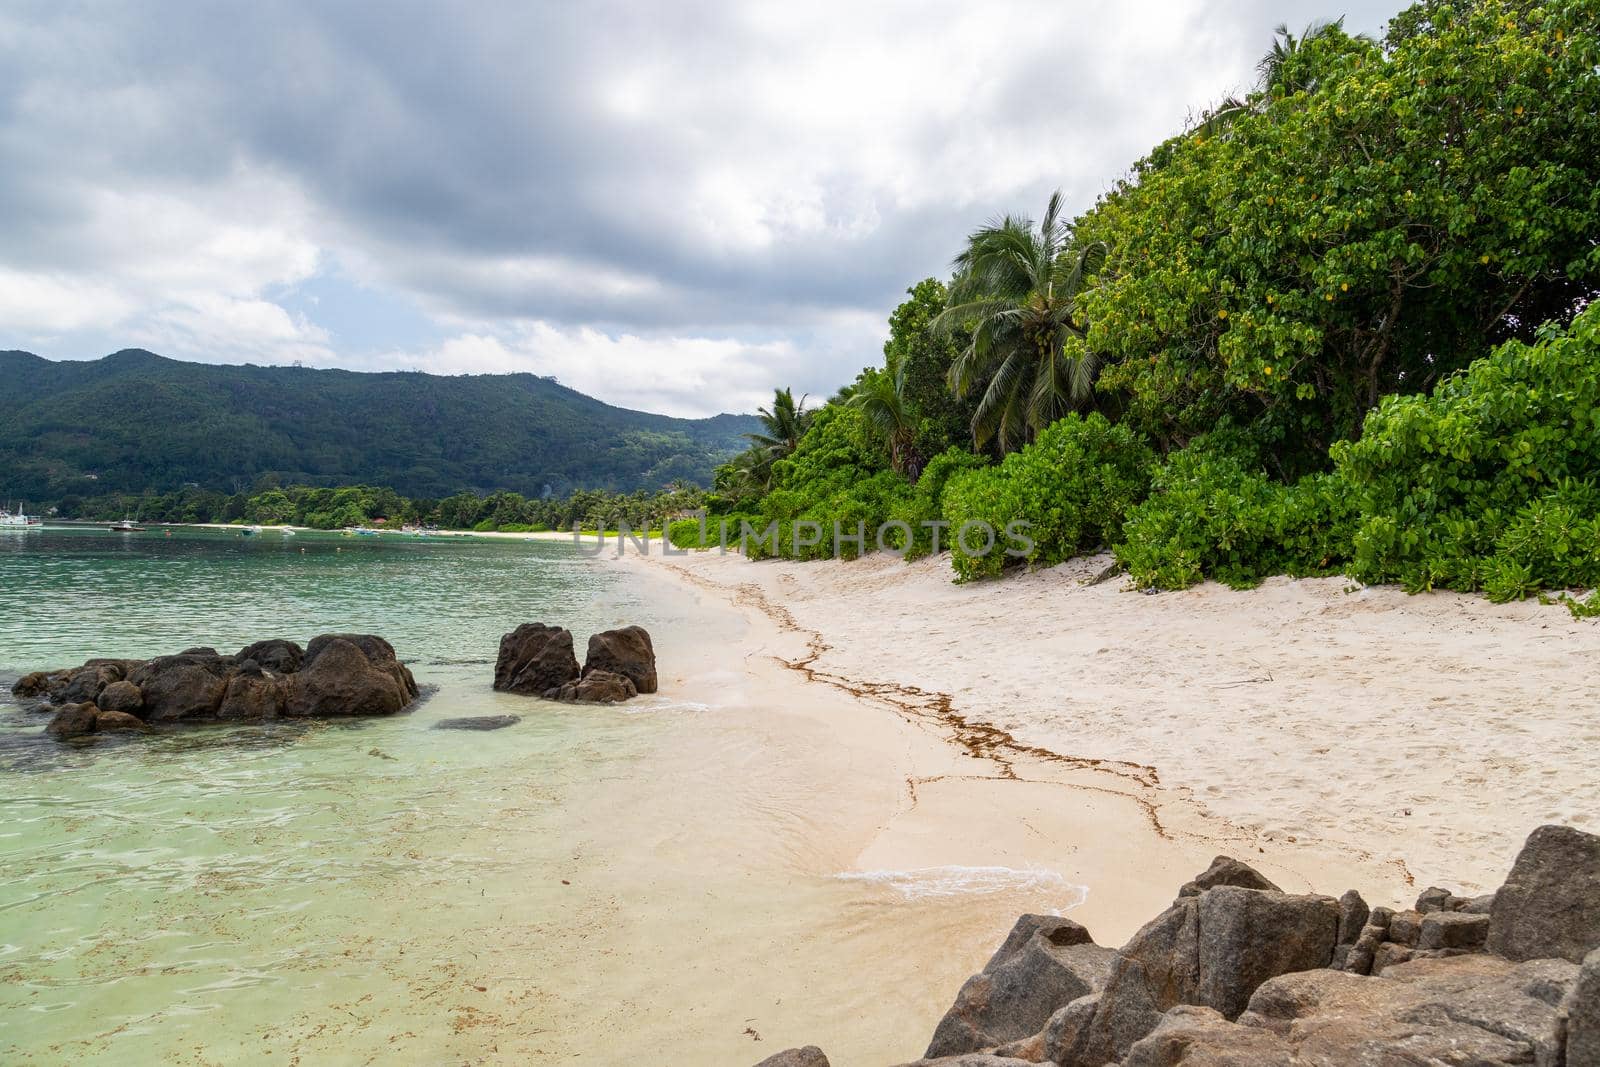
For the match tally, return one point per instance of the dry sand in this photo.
(1333, 736)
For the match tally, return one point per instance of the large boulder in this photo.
(535, 658)
(1248, 936)
(1476, 1009)
(121, 696)
(809, 1056)
(275, 655)
(627, 652)
(189, 685)
(85, 684)
(1464, 1009)
(254, 694)
(1212, 950)
(348, 674)
(1550, 904)
(1044, 964)
(73, 720)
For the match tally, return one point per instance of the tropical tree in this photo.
(782, 425)
(880, 397)
(1016, 287)
(747, 474)
(1292, 65)
(1288, 66)
(1430, 199)
(922, 356)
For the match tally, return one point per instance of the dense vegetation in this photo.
(136, 423)
(362, 505)
(1336, 325)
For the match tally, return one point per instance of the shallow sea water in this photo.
(669, 880)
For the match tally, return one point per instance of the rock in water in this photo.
(254, 694)
(277, 655)
(1550, 904)
(33, 685)
(599, 687)
(121, 696)
(185, 686)
(117, 720)
(337, 674)
(478, 722)
(349, 674)
(74, 720)
(535, 658)
(627, 652)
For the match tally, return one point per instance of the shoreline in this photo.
(1325, 763)
(977, 795)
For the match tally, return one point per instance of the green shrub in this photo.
(1212, 514)
(834, 479)
(926, 502)
(1072, 487)
(1488, 483)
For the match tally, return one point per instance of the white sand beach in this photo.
(1335, 736)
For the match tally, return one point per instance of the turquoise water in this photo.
(231, 889)
(669, 880)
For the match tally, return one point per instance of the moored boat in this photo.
(19, 519)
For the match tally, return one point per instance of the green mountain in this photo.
(135, 421)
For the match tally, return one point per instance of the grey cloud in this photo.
(431, 141)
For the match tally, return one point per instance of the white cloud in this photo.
(672, 210)
(685, 376)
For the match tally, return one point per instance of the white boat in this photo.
(19, 519)
(126, 526)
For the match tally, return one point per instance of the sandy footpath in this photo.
(1337, 736)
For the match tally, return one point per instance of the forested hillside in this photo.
(135, 422)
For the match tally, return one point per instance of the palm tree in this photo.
(782, 425)
(1276, 75)
(881, 399)
(748, 472)
(1016, 286)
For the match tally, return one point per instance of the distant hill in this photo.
(135, 421)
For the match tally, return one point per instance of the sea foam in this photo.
(953, 880)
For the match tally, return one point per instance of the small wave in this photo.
(649, 707)
(954, 880)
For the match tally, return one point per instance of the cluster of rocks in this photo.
(539, 660)
(1238, 973)
(336, 674)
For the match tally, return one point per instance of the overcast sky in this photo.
(671, 206)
